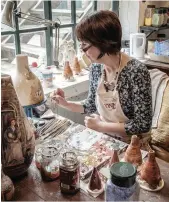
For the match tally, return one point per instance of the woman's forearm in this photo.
(74, 107)
(106, 127)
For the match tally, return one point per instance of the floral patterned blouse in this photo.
(134, 87)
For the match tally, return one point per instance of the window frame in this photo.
(48, 29)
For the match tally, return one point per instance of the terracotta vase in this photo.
(7, 188)
(133, 152)
(27, 85)
(68, 74)
(95, 180)
(114, 157)
(150, 171)
(76, 66)
(18, 141)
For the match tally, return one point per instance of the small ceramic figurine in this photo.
(68, 74)
(133, 152)
(76, 66)
(114, 157)
(150, 171)
(95, 185)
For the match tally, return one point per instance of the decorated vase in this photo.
(17, 136)
(27, 85)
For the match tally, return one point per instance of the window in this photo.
(34, 38)
(7, 53)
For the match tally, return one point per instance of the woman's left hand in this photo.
(93, 122)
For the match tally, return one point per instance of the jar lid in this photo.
(49, 152)
(158, 10)
(151, 6)
(164, 9)
(123, 174)
(69, 158)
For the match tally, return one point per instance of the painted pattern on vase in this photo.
(133, 152)
(7, 187)
(150, 171)
(18, 141)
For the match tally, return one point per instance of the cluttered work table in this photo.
(32, 187)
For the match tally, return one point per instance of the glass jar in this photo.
(149, 14)
(122, 185)
(38, 157)
(158, 18)
(168, 16)
(49, 164)
(69, 173)
(164, 9)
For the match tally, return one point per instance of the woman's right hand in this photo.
(58, 96)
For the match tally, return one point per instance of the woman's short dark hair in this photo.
(103, 30)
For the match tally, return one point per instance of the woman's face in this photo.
(13, 123)
(91, 51)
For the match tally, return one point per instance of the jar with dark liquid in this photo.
(69, 173)
(49, 164)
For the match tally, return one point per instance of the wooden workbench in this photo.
(31, 188)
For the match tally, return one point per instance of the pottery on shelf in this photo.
(76, 66)
(7, 187)
(133, 152)
(150, 171)
(67, 72)
(18, 141)
(27, 85)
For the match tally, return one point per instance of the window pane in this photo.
(7, 53)
(61, 10)
(33, 8)
(33, 44)
(83, 8)
(104, 5)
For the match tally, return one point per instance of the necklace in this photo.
(110, 86)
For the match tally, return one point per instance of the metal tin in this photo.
(69, 173)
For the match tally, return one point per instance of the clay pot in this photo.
(7, 188)
(133, 152)
(76, 66)
(95, 180)
(68, 74)
(114, 157)
(18, 141)
(27, 85)
(150, 171)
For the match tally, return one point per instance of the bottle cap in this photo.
(123, 174)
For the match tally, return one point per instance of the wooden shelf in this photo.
(151, 28)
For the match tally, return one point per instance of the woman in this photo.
(120, 87)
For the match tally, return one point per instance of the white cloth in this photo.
(159, 81)
(109, 107)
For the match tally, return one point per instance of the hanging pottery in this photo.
(76, 67)
(27, 85)
(67, 73)
(18, 142)
(133, 152)
(150, 171)
(7, 187)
